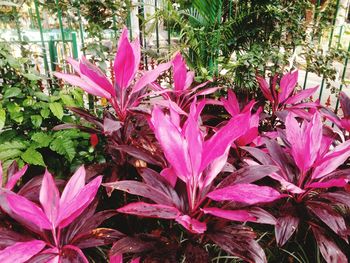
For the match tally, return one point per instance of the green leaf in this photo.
(42, 96)
(68, 100)
(12, 92)
(64, 146)
(2, 118)
(56, 109)
(42, 138)
(45, 113)
(36, 120)
(32, 156)
(31, 76)
(10, 150)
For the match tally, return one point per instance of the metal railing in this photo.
(65, 41)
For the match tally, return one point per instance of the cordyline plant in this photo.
(185, 189)
(60, 227)
(281, 93)
(180, 95)
(308, 173)
(126, 128)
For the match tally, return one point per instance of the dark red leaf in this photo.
(239, 241)
(248, 174)
(139, 154)
(330, 217)
(329, 250)
(97, 237)
(141, 189)
(285, 227)
(130, 245)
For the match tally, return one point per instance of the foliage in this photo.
(197, 174)
(27, 115)
(236, 39)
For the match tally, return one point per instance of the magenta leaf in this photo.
(222, 139)
(180, 72)
(150, 76)
(28, 211)
(287, 85)
(71, 209)
(173, 143)
(12, 181)
(21, 251)
(301, 95)
(338, 182)
(96, 75)
(262, 216)
(246, 193)
(49, 198)
(332, 160)
(235, 215)
(73, 186)
(125, 62)
(191, 224)
(264, 86)
(150, 210)
(84, 84)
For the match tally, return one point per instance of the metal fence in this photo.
(57, 43)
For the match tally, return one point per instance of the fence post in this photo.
(59, 14)
(74, 45)
(52, 53)
(46, 64)
(81, 30)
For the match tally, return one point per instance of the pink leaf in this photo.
(21, 251)
(49, 198)
(73, 186)
(235, 215)
(170, 175)
(191, 224)
(116, 258)
(217, 145)
(14, 178)
(339, 182)
(172, 142)
(245, 193)
(124, 63)
(264, 86)
(96, 75)
(150, 210)
(73, 208)
(180, 72)
(301, 95)
(231, 104)
(88, 87)
(287, 85)
(75, 64)
(332, 160)
(28, 211)
(150, 76)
